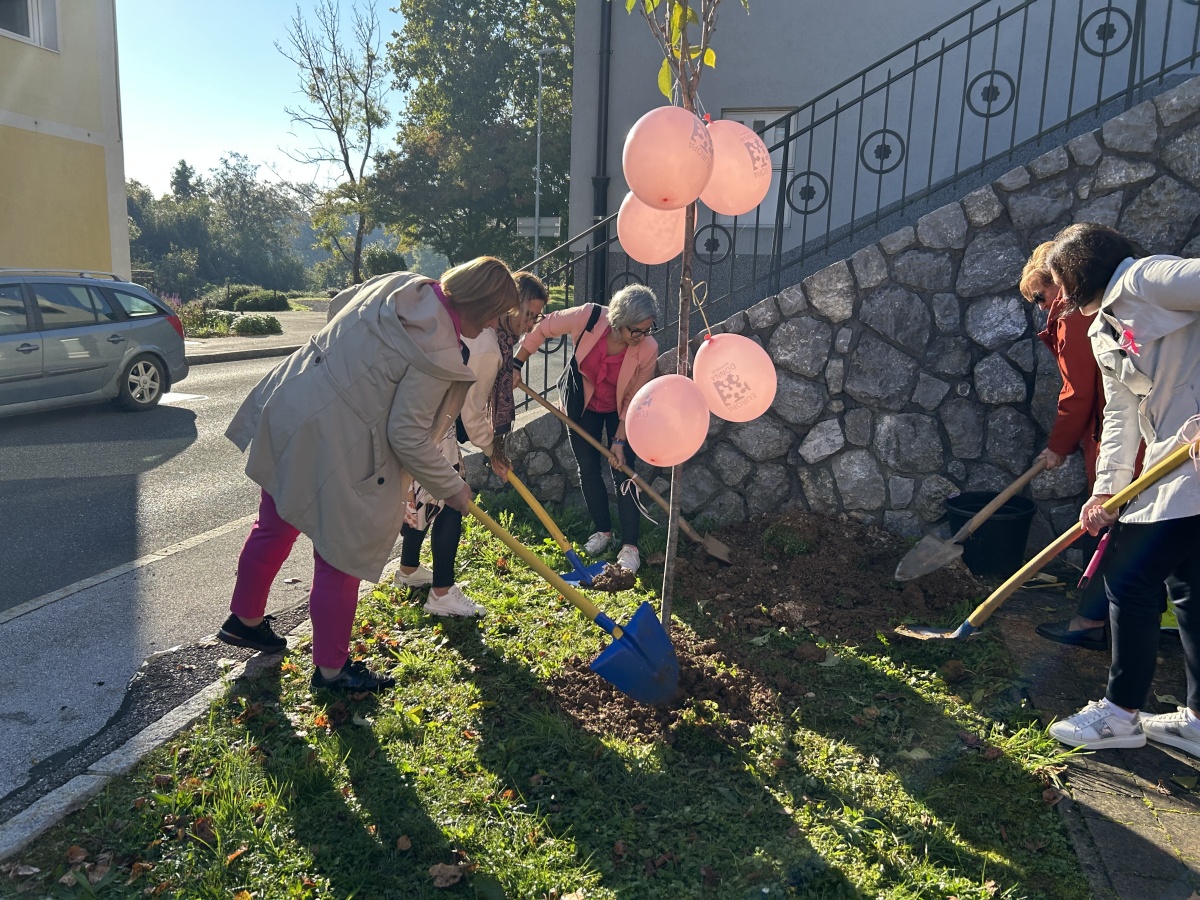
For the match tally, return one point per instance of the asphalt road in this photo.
(84, 490)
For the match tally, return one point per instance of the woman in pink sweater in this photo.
(616, 356)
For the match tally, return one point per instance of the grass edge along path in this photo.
(891, 779)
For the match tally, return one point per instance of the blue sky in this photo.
(202, 79)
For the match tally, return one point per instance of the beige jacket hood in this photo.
(337, 430)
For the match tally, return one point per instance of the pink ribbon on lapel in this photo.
(1127, 343)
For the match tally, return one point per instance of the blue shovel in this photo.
(640, 661)
(579, 574)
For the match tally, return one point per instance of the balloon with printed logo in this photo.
(741, 173)
(668, 157)
(667, 420)
(649, 235)
(735, 376)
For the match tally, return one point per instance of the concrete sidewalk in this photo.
(298, 327)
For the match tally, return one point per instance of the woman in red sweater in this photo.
(1077, 427)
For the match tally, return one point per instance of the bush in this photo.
(199, 322)
(254, 324)
(261, 301)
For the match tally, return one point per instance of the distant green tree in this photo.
(378, 259)
(345, 79)
(185, 184)
(463, 169)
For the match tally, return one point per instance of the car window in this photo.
(64, 305)
(13, 319)
(134, 305)
(103, 307)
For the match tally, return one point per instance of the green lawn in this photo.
(892, 778)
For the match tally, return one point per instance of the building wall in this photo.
(62, 174)
(912, 370)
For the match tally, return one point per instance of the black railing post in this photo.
(777, 248)
(1135, 43)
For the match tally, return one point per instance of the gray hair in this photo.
(632, 304)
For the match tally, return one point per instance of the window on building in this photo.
(33, 20)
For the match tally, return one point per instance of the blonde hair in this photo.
(1036, 273)
(481, 289)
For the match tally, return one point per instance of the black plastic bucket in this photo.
(997, 548)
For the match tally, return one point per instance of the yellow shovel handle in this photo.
(540, 512)
(1163, 467)
(587, 607)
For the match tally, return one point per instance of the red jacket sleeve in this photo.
(1081, 399)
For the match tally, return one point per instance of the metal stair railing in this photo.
(952, 105)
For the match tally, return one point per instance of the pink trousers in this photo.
(331, 603)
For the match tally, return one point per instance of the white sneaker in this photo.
(598, 543)
(1099, 726)
(1174, 729)
(421, 577)
(629, 558)
(453, 603)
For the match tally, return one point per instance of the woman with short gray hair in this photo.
(614, 357)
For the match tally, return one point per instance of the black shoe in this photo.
(355, 676)
(1088, 638)
(261, 637)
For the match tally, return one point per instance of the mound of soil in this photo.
(819, 577)
(613, 579)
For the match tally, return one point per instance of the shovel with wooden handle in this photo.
(711, 545)
(931, 553)
(985, 609)
(581, 573)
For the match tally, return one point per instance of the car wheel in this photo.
(142, 384)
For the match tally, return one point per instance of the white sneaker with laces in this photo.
(598, 543)
(421, 577)
(1174, 729)
(452, 603)
(1099, 726)
(629, 558)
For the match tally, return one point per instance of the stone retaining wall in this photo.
(912, 370)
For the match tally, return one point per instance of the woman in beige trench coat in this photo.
(337, 431)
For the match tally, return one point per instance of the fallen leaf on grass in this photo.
(992, 753)
(831, 659)
(620, 850)
(76, 855)
(97, 872)
(243, 895)
(18, 871)
(445, 876)
(161, 781)
(137, 870)
(1169, 699)
(917, 753)
(68, 880)
(1003, 833)
(235, 854)
(404, 842)
(1051, 796)
(1162, 788)
(202, 830)
(971, 740)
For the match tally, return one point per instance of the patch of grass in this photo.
(885, 781)
(784, 541)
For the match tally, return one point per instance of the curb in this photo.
(235, 355)
(39, 817)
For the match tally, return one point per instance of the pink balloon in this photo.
(735, 376)
(668, 157)
(667, 420)
(649, 235)
(741, 173)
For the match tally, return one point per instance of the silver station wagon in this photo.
(70, 338)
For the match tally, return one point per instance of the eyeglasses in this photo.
(641, 332)
(538, 317)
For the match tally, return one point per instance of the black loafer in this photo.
(354, 677)
(261, 637)
(1088, 638)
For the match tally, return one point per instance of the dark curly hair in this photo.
(1083, 261)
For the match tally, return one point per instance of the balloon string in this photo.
(630, 485)
(700, 301)
(1192, 425)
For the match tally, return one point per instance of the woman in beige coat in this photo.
(1145, 335)
(337, 431)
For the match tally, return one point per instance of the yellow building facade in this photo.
(62, 171)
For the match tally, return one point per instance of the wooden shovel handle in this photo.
(540, 512)
(637, 479)
(1003, 497)
(1160, 469)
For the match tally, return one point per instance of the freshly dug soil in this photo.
(818, 577)
(613, 579)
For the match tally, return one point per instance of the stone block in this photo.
(859, 480)
(1104, 211)
(982, 207)
(902, 522)
(1021, 353)
(538, 463)
(1050, 163)
(727, 507)
(947, 314)
(858, 426)
(768, 489)
(909, 442)
(924, 270)
(835, 375)
(995, 321)
(730, 466)
(898, 314)
(996, 381)
(880, 375)
(819, 490)
(798, 401)
(792, 301)
(801, 345)
(845, 336)
(1068, 480)
(1085, 149)
(1160, 217)
(898, 240)
(900, 491)
(831, 291)
(870, 267)
(764, 314)
(1048, 203)
(1115, 173)
(1010, 438)
(1014, 179)
(1182, 156)
(822, 441)
(933, 491)
(949, 354)
(944, 228)
(1178, 104)
(963, 421)
(699, 486)
(1134, 131)
(929, 392)
(762, 439)
(992, 262)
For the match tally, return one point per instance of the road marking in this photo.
(171, 398)
(54, 596)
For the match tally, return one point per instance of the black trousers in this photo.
(1144, 558)
(446, 529)
(591, 476)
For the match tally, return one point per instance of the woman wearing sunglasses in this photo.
(614, 355)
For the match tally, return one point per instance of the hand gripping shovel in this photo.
(579, 573)
(985, 609)
(711, 545)
(640, 661)
(931, 553)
